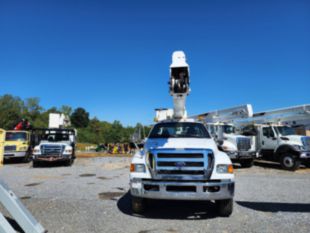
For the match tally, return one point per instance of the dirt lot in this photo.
(92, 196)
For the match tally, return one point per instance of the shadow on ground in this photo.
(276, 206)
(272, 165)
(268, 164)
(162, 209)
(14, 161)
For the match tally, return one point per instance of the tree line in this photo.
(90, 130)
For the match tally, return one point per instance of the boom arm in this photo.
(179, 83)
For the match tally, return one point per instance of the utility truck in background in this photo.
(239, 148)
(54, 145)
(276, 138)
(180, 160)
(17, 145)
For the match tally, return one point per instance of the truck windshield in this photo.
(15, 136)
(285, 130)
(229, 129)
(56, 137)
(179, 130)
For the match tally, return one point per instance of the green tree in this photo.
(80, 118)
(32, 109)
(10, 111)
(65, 109)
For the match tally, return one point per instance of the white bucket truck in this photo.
(180, 160)
(276, 139)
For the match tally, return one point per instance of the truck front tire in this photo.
(289, 162)
(35, 163)
(137, 205)
(69, 162)
(247, 163)
(225, 207)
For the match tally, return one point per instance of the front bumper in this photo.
(173, 190)
(240, 155)
(305, 155)
(14, 154)
(51, 158)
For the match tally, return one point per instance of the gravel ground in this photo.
(92, 196)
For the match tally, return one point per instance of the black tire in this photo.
(138, 205)
(69, 162)
(35, 163)
(225, 207)
(247, 163)
(289, 162)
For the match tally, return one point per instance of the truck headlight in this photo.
(68, 151)
(23, 148)
(36, 151)
(137, 168)
(225, 168)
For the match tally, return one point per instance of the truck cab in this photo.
(54, 145)
(181, 161)
(280, 143)
(239, 148)
(17, 145)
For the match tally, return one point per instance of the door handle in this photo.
(263, 142)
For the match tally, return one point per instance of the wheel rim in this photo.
(288, 161)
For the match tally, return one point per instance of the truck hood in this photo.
(293, 139)
(180, 143)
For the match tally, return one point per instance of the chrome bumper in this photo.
(305, 154)
(52, 158)
(238, 155)
(172, 190)
(14, 154)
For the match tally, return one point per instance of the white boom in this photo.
(228, 115)
(294, 116)
(179, 84)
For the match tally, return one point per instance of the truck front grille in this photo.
(52, 149)
(243, 144)
(9, 148)
(181, 164)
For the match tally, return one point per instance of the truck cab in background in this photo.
(17, 145)
(277, 142)
(239, 148)
(53, 145)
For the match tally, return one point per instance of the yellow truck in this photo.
(17, 145)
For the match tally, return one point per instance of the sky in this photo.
(112, 57)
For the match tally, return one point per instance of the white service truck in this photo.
(239, 148)
(54, 145)
(278, 142)
(180, 160)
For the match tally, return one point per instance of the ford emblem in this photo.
(180, 164)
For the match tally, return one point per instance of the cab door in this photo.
(268, 139)
(2, 139)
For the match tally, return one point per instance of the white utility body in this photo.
(180, 160)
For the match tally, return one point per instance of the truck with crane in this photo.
(180, 160)
(275, 135)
